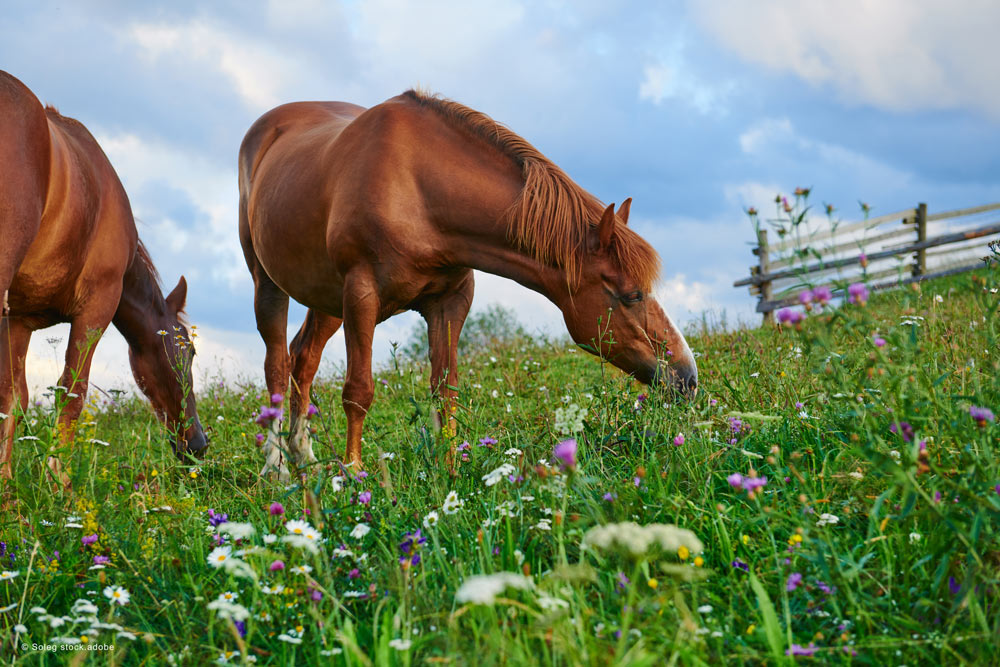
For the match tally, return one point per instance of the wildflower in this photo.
(878, 340)
(337, 483)
(483, 588)
(565, 451)
(904, 429)
(228, 596)
(622, 581)
(400, 644)
(806, 297)
(857, 293)
(274, 589)
(569, 420)
(794, 579)
(452, 503)
(236, 530)
(268, 538)
(789, 316)
(740, 565)
(513, 452)
(487, 441)
(20, 629)
(290, 637)
(679, 439)
(216, 520)
(360, 531)
(297, 527)
(301, 569)
(117, 595)
(311, 411)
(88, 539)
(219, 555)
(698, 561)
(277, 399)
(683, 552)
(365, 497)
(277, 565)
(431, 520)
(795, 649)
(268, 415)
(827, 519)
(498, 474)
(409, 547)
(981, 415)
(637, 539)
(915, 537)
(822, 294)
(276, 509)
(610, 497)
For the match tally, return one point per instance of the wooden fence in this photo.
(873, 250)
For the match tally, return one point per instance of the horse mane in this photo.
(143, 260)
(553, 217)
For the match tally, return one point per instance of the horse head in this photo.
(163, 372)
(611, 313)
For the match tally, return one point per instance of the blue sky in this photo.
(696, 110)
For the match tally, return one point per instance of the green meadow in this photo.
(830, 495)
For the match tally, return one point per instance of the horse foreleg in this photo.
(361, 308)
(271, 310)
(306, 353)
(14, 338)
(84, 333)
(445, 317)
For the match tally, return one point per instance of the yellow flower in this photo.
(751, 628)
(154, 473)
(652, 583)
(683, 552)
(193, 475)
(699, 561)
(745, 539)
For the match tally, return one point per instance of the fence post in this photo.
(763, 255)
(920, 261)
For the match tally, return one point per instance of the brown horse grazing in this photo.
(359, 214)
(69, 252)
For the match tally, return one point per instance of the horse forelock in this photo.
(553, 217)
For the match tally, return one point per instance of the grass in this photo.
(860, 545)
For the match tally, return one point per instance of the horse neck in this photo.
(482, 234)
(142, 310)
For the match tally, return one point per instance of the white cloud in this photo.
(256, 72)
(900, 55)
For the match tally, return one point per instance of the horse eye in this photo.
(633, 297)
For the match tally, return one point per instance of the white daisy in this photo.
(219, 556)
(430, 520)
(117, 595)
(301, 569)
(452, 503)
(360, 531)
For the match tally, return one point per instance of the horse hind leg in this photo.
(306, 352)
(271, 310)
(445, 317)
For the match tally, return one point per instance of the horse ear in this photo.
(177, 298)
(606, 227)
(624, 209)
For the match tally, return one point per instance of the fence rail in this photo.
(783, 267)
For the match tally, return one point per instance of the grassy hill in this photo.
(834, 487)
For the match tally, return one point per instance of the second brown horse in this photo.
(69, 252)
(360, 214)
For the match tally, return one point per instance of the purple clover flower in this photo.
(88, 539)
(878, 340)
(822, 294)
(789, 316)
(795, 649)
(101, 560)
(276, 509)
(806, 297)
(679, 440)
(793, 582)
(365, 497)
(565, 451)
(267, 415)
(487, 441)
(277, 399)
(857, 293)
(981, 415)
